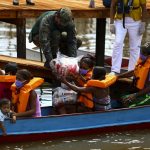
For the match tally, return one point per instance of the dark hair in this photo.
(4, 101)
(99, 73)
(11, 68)
(26, 75)
(89, 60)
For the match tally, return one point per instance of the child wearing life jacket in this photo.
(86, 65)
(100, 99)
(140, 95)
(5, 112)
(63, 95)
(24, 98)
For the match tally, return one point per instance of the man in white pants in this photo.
(131, 21)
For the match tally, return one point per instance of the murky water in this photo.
(86, 29)
(132, 140)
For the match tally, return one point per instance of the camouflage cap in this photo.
(65, 16)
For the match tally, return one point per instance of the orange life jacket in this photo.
(141, 72)
(87, 98)
(5, 83)
(21, 100)
(7, 78)
(87, 77)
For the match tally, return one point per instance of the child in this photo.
(64, 95)
(26, 95)
(11, 68)
(86, 65)
(5, 112)
(101, 97)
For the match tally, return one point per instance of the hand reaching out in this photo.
(112, 29)
(128, 99)
(142, 28)
(13, 119)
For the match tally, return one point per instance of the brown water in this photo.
(131, 140)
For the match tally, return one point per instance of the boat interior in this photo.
(48, 109)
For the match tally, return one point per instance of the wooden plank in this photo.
(79, 8)
(37, 68)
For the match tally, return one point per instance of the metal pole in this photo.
(100, 41)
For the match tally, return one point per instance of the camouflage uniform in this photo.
(49, 37)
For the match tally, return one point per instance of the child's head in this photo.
(11, 68)
(5, 105)
(23, 76)
(86, 63)
(99, 73)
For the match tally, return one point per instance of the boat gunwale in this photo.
(77, 114)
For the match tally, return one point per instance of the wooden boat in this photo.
(57, 126)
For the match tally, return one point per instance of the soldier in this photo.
(28, 2)
(55, 30)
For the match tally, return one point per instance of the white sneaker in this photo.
(112, 73)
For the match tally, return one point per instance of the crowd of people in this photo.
(86, 86)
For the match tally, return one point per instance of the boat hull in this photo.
(53, 127)
(59, 135)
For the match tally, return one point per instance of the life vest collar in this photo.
(109, 80)
(141, 72)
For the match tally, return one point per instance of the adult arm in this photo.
(144, 11)
(126, 74)
(44, 39)
(112, 11)
(142, 92)
(76, 88)
(142, 26)
(79, 78)
(71, 40)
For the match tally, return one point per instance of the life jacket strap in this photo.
(94, 101)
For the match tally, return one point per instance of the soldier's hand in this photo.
(142, 28)
(112, 29)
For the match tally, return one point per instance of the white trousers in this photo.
(132, 27)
